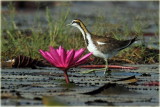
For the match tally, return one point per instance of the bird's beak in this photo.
(69, 24)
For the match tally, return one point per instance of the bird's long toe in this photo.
(107, 72)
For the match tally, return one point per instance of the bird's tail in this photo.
(129, 42)
(134, 39)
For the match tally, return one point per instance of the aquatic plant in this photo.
(65, 59)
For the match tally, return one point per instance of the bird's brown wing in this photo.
(111, 44)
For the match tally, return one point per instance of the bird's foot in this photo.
(107, 72)
(92, 70)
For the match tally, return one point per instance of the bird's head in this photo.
(76, 23)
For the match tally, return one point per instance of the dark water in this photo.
(32, 87)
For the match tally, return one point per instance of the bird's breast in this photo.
(92, 48)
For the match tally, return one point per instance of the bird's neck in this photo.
(86, 34)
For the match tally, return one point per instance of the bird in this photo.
(101, 46)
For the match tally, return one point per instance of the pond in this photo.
(46, 86)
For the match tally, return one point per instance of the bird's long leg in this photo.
(107, 71)
(106, 66)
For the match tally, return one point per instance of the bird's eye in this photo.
(72, 22)
(76, 22)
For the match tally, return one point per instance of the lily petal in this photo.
(52, 59)
(83, 59)
(78, 54)
(58, 50)
(70, 57)
(43, 53)
(54, 54)
(62, 54)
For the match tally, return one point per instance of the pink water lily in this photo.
(65, 59)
